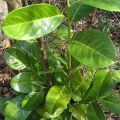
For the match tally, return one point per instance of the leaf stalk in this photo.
(69, 32)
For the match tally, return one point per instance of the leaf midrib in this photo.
(76, 10)
(34, 20)
(78, 114)
(75, 2)
(98, 92)
(57, 99)
(102, 84)
(28, 82)
(94, 111)
(16, 59)
(93, 50)
(17, 111)
(110, 102)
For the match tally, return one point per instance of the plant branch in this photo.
(69, 32)
(44, 58)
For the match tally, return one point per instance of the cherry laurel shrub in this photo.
(63, 74)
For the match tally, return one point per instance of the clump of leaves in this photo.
(65, 76)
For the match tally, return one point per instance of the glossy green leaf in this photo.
(78, 111)
(60, 35)
(15, 58)
(19, 59)
(75, 63)
(78, 82)
(94, 112)
(79, 11)
(32, 100)
(116, 75)
(111, 5)
(76, 96)
(43, 119)
(62, 32)
(3, 103)
(13, 111)
(57, 100)
(32, 22)
(112, 103)
(72, 1)
(102, 79)
(26, 82)
(76, 79)
(31, 47)
(56, 61)
(33, 51)
(55, 115)
(89, 48)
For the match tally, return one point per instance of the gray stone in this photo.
(3, 9)
(3, 13)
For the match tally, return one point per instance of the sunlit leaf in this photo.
(78, 111)
(26, 82)
(89, 48)
(78, 82)
(17, 58)
(116, 75)
(102, 79)
(56, 101)
(32, 22)
(13, 111)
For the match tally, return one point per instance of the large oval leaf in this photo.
(18, 57)
(32, 100)
(26, 82)
(94, 112)
(78, 83)
(102, 79)
(32, 22)
(33, 52)
(78, 111)
(112, 103)
(79, 11)
(116, 75)
(15, 58)
(92, 48)
(13, 111)
(56, 101)
(111, 5)
(3, 103)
